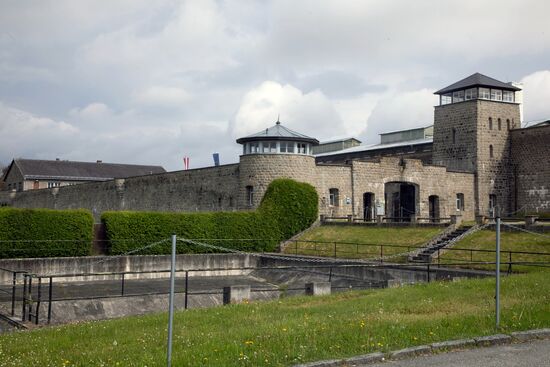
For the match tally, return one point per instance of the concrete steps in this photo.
(426, 254)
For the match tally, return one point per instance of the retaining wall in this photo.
(138, 263)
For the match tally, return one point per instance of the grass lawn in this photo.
(510, 241)
(348, 240)
(292, 330)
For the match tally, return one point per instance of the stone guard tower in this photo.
(272, 153)
(472, 126)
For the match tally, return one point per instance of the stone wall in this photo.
(530, 149)
(494, 174)
(460, 154)
(205, 189)
(464, 139)
(430, 180)
(258, 170)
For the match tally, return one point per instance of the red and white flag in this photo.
(186, 163)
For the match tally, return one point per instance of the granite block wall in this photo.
(530, 152)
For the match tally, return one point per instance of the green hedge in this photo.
(44, 232)
(288, 207)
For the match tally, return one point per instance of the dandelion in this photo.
(249, 342)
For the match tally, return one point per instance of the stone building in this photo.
(474, 159)
(34, 174)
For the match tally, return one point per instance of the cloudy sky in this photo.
(137, 81)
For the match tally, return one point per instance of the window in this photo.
(460, 201)
(490, 123)
(496, 94)
(334, 197)
(254, 147)
(301, 148)
(508, 124)
(269, 147)
(250, 195)
(458, 96)
(287, 147)
(53, 184)
(499, 124)
(219, 202)
(454, 135)
(490, 151)
(484, 93)
(446, 98)
(508, 96)
(471, 93)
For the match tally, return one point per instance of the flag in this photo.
(216, 157)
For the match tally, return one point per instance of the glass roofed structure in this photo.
(277, 139)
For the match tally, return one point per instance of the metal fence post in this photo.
(335, 250)
(24, 297)
(428, 270)
(171, 301)
(50, 292)
(186, 287)
(39, 298)
(13, 287)
(497, 285)
(509, 262)
(381, 254)
(122, 286)
(30, 298)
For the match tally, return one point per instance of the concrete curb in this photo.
(482, 341)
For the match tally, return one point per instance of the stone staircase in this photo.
(425, 255)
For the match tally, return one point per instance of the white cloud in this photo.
(92, 111)
(310, 113)
(23, 134)
(160, 96)
(536, 95)
(148, 82)
(396, 111)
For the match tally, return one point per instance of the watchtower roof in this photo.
(278, 132)
(477, 80)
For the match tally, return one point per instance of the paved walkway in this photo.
(531, 354)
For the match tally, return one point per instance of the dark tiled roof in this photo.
(277, 132)
(81, 171)
(477, 80)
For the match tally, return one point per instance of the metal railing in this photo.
(39, 291)
(339, 250)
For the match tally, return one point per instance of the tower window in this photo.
(334, 197)
(499, 124)
(454, 135)
(508, 124)
(250, 195)
(458, 96)
(508, 96)
(490, 151)
(490, 123)
(496, 94)
(470, 93)
(484, 93)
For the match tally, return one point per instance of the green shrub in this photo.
(45, 232)
(288, 207)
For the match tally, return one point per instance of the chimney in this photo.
(57, 159)
(99, 161)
